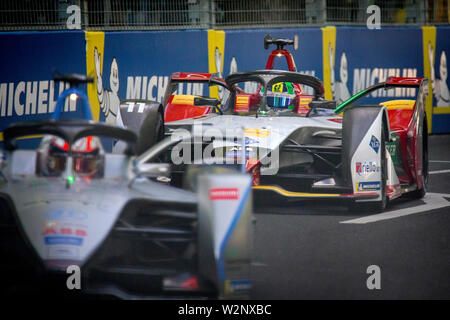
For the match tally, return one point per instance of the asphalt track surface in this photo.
(304, 251)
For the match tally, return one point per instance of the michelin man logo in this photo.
(439, 86)
(339, 88)
(233, 66)
(108, 99)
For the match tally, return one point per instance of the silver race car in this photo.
(70, 206)
(297, 145)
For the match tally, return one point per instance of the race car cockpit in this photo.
(277, 93)
(87, 153)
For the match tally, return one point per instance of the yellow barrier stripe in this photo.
(296, 194)
(428, 38)
(94, 39)
(216, 53)
(441, 110)
(328, 42)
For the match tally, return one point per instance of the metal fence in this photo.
(215, 14)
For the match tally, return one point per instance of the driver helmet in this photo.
(87, 154)
(280, 95)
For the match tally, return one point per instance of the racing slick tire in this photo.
(420, 193)
(146, 119)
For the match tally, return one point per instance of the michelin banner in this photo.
(137, 65)
(28, 61)
(244, 50)
(436, 46)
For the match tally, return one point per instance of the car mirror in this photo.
(324, 104)
(201, 101)
(153, 170)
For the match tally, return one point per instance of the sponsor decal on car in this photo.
(66, 215)
(337, 120)
(375, 143)
(224, 194)
(74, 241)
(64, 235)
(251, 141)
(263, 133)
(368, 186)
(366, 167)
(64, 231)
(183, 99)
(242, 103)
(392, 149)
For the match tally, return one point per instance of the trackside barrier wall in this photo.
(138, 65)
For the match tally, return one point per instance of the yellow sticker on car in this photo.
(263, 133)
(183, 99)
(278, 87)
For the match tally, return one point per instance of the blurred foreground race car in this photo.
(297, 145)
(69, 206)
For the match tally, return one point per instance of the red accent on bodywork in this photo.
(401, 121)
(404, 81)
(191, 284)
(253, 167)
(224, 194)
(246, 102)
(337, 120)
(279, 53)
(191, 76)
(174, 112)
(393, 191)
(359, 194)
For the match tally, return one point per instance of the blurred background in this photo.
(215, 14)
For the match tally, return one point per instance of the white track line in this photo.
(439, 171)
(443, 161)
(432, 201)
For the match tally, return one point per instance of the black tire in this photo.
(376, 206)
(151, 132)
(419, 194)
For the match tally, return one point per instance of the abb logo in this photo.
(65, 231)
(224, 194)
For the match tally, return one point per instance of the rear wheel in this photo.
(151, 132)
(419, 194)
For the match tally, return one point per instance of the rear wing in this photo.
(391, 82)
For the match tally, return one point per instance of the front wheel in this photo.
(151, 131)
